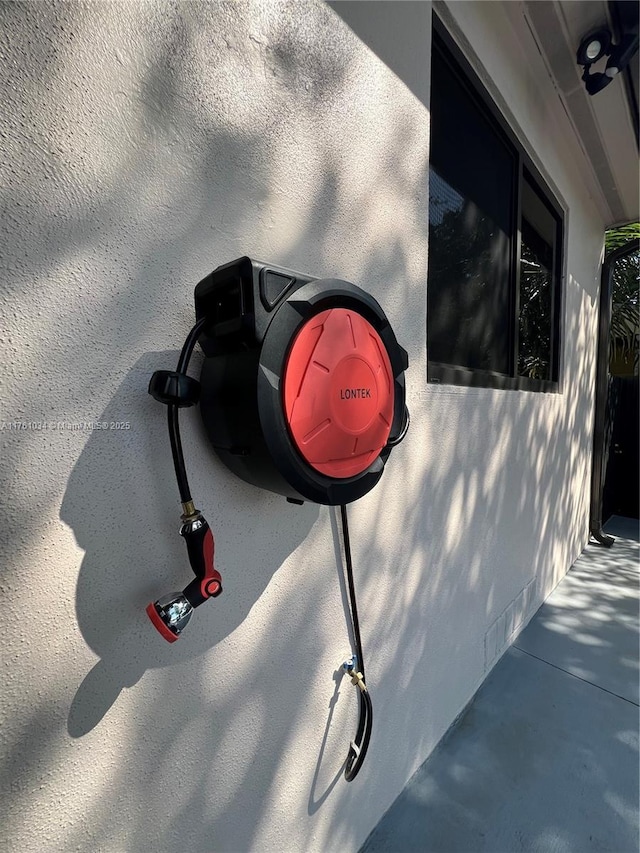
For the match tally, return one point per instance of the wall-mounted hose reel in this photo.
(301, 393)
(303, 381)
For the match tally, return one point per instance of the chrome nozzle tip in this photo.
(170, 615)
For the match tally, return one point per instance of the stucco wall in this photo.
(144, 144)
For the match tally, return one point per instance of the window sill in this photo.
(447, 374)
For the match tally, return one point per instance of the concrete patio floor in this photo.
(545, 757)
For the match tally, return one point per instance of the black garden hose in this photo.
(360, 743)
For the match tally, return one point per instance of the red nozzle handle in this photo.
(200, 547)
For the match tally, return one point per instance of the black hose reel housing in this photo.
(302, 387)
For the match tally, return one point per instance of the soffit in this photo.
(604, 122)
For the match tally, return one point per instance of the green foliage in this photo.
(617, 237)
(534, 321)
(625, 303)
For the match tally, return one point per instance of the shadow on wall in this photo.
(126, 565)
(497, 469)
(223, 192)
(503, 504)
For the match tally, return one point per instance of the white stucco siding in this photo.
(143, 145)
(557, 428)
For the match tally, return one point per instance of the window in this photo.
(495, 233)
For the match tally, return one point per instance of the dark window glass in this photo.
(534, 320)
(535, 314)
(492, 317)
(472, 173)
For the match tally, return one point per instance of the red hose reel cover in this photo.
(338, 393)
